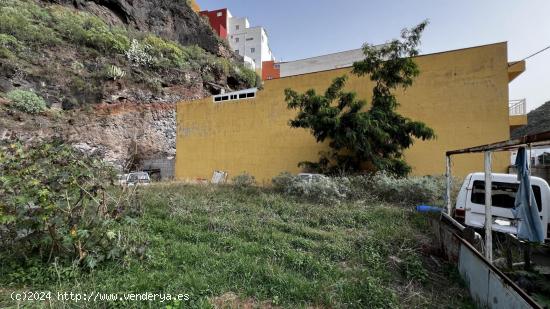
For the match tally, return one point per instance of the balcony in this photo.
(517, 107)
(517, 113)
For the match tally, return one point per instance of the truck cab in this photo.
(470, 203)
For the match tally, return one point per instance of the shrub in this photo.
(27, 22)
(139, 53)
(283, 182)
(322, 189)
(222, 66)
(54, 203)
(26, 101)
(8, 45)
(9, 41)
(87, 29)
(409, 191)
(405, 190)
(34, 24)
(113, 72)
(245, 75)
(244, 180)
(166, 53)
(195, 53)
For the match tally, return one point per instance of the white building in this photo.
(249, 42)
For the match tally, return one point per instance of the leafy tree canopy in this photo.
(362, 138)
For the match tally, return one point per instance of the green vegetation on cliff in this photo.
(64, 55)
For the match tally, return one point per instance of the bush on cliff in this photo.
(55, 203)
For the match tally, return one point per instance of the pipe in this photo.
(488, 210)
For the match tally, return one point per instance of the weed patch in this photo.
(261, 247)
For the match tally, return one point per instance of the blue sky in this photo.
(305, 28)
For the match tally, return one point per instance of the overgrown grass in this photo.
(263, 246)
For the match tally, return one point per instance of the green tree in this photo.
(360, 138)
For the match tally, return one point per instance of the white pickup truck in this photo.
(470, 203)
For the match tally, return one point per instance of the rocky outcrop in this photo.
(127, 118)
(538, 121)
(118, 133)
(174, 20)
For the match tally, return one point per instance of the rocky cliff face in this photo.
(119, 133)
(100, 97)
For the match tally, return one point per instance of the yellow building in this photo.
(462, 94)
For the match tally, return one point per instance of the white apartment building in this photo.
(249, 42)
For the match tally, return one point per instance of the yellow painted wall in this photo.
(462, 95)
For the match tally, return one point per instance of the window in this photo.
(237, 27)
(503, 194)
(249, 39)
(252, 50)
(237, 40)
(219, 14)
(237, 51)
(234, 96)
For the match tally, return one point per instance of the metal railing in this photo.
(517, 107)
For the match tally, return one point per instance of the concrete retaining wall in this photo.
(488, 286)
(164, 166)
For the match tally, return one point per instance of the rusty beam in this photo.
(540, 139)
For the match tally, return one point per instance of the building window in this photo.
(237, 51)
(237, 40)
(252, 50)
(219, 14)
(234, 96)
(249, 39)
(237, 27)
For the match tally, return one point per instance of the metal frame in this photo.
(535, 140)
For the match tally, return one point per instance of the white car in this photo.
(308, 177)
(138, 179)
(470, 203)
(121, 179)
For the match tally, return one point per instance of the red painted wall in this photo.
(218, 23)
(270, 70)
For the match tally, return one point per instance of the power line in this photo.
(540, 51)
